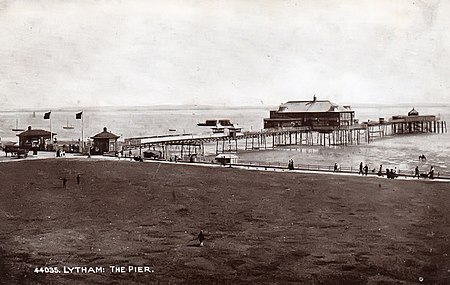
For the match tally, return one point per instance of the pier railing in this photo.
(330, 168)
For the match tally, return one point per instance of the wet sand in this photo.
(260, 227)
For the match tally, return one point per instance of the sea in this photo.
(401, 152)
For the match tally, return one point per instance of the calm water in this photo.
(401, 151)
(127, 123)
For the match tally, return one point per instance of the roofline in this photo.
(23, 133)
(112, 136)
(307, 101)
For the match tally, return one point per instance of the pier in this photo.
(187, 145)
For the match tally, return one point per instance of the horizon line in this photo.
(206, 106)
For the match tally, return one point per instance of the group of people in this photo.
(393, 173)
(390, 173)
(60, 153)
(430, 173)
(363, 170)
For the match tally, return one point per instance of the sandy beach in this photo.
(260, 227)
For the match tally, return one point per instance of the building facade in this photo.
(104, 142)
(315, 114)
(35, 139)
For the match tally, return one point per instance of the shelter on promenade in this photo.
(35, 139)
(104, 142)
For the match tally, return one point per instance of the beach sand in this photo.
(260, 227)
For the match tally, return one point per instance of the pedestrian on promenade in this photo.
(366, 170)
(291, 164)
(416, 172)
(431, 173)
(361, 169)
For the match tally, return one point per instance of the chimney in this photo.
(29, 128)
(105, 129)
(314, 98)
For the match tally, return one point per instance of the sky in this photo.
(230, 53)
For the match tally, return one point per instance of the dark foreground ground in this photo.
(261, 227)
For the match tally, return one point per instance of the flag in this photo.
(47, 115)
(78, 115)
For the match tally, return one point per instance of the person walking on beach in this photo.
(361, 169)
(416, 172)
(64, 180)
(78, 178)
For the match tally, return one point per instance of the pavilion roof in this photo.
(105, 135)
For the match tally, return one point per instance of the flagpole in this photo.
(82, 133)
(51, 133)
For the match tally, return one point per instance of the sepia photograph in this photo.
(224, 142)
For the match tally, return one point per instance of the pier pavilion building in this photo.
(316, 115)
